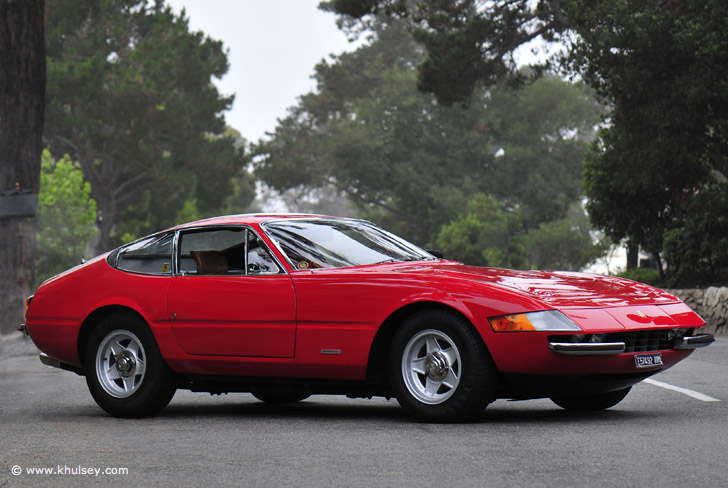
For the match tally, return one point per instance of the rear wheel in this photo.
(591, 403)
(125, 372)
(439, 368)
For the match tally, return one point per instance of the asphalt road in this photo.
(656, 437)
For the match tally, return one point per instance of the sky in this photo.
(273, 48)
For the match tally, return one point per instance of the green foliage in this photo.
(664, 69)
(66, 217)
(411, 164)
(469, 43)
(129, 94)
(639, 205)
(648, 276)
(697, 249)
(188, 213)
(661, 66)
(565, 244)
(484, 234)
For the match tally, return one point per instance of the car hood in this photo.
(561, 289)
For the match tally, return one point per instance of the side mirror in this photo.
(436, 252)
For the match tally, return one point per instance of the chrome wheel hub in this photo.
(125, 363)
(436, 366)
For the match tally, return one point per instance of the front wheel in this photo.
(591, 403)
(439, 368)
(125, 372)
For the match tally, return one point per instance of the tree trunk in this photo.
(658, 264)
(633, 256)
(105, 222)
(22, 104)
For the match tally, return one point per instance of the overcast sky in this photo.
(273, 48)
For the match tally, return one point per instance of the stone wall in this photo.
(710, 303)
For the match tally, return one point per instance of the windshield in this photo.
(329, 243)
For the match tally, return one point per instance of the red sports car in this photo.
(285, 306)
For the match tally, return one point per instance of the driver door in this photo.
(229, 297)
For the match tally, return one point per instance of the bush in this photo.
(647, 276)
(66, 217)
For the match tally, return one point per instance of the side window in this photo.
(260, 262)
(152, 255)
(213, 251)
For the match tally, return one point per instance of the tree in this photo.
(66, 217)
(412, 164)
(660, 65)
(22, 91)
(663, 66)
(565, 244)
(468, 42)
(130, 97)
(485, 235)
(368, 133)
(696, 249)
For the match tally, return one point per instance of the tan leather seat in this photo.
(210, 262)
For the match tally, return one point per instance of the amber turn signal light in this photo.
(551, 320)
(511, 323)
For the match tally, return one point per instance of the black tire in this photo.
(125, 372)
(440, 369)
(591, 403)
(280, 394)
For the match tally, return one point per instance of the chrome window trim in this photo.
(282, 269)
(245, 251)
(175, 248)
(119, 250)
(264, 225)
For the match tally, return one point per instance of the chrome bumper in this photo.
(588, 348)
(614, 348)
(694, 342)
(49, 361)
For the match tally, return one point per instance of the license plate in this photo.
(648, 360)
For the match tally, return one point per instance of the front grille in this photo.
(642, 341)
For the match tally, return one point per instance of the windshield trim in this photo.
(414, 249)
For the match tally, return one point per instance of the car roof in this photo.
(252, 219)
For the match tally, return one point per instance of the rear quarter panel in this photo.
(61, 304)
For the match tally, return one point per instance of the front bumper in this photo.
(695, 342)
(614, 348)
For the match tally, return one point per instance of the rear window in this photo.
(152, 255)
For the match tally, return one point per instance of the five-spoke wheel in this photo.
(125, 372)
(431, 367)
(440, 369)
(120, 363)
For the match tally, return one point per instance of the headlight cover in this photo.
(549, 320)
